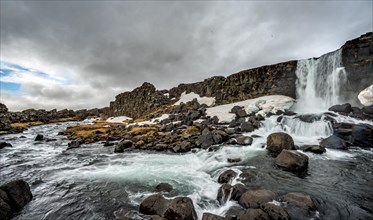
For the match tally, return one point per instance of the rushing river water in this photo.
(92, 182)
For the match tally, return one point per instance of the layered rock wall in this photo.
(357, 58)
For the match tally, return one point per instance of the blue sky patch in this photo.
(10, 87)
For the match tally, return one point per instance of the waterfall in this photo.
(319, 81)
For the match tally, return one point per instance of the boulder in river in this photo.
(164, 187)
(299, 199)
(292, 160)
(278, 141)
(316, 149)
(275, 211)
(181, 208)
(344, 108)
(224, 193)
(244, 140)
(362, 136)
(256, 198)
(227, 176)
(74, 144)
(334, 142)
(5, 144)
(154, 205)
(13, 196)
(39, 137)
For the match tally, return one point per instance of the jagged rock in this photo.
(333, 142)
(13, 196)
(344, 108)
(205, 140)
(181, 208)
(154, 205)
(253, 214)
(292, 160)
(39, 137)
(244, 140)
(317, 149)
(223, 193)
(301, 200)
(227, 176)
(256, 198)
(5, 144)
(121, 146)
(275, 212)
(276, 142)
(164, 187)
(209, 216)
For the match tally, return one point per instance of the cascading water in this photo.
(319, 82)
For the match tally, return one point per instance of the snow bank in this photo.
(119, 119)
(262, 105)
(151, 121)
(209, 101)
(366, 96)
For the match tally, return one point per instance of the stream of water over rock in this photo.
(91, 182)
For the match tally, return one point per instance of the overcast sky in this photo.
(80, 54)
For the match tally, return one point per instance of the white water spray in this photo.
(319, 82)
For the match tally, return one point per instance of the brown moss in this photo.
(142, 130)
(24, 125)
(190, 130)
(140, 143)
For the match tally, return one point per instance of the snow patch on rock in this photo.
(261, 105)
(119, 119)
(184, 98)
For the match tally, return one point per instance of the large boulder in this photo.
(154, 205)
(276, 142)
(334, 142)
(299, 199)
(253, 214)
(5, 144)
(227, 176)
(366, 96)
(292, 160)
(344, 108)
(13, 196)
(256, 198)
(205, 140)
(362, 136)
(181, 208)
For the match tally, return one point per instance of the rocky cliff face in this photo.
(279, 79)
(142, 100)
(357, 58)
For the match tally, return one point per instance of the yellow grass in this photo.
(190, 130)
(142, 130)
(24, 125)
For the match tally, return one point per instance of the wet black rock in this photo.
(333, 142)
(256, 198)
(13, 196)
(253, 214)
(209, 216)
(291, 160)
(247, 127)
(39, 137)
(164, 187)
(276, 142)
(344, 108)
(368, 110)
(237, 191)
(205, 140)
(121, 146)
(227, 176)
(5, 144)
(181, 208)
(234, 160)
(316, 149)
(309, 118)
(184, 146)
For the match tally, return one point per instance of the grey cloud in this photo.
(122, 44)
